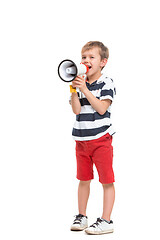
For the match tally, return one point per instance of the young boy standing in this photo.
(93, 132)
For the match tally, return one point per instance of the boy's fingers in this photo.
(77, 81)
(81, 78)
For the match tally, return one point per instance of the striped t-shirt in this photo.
(90, 124)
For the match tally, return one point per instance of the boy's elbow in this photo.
(76, 112)
(105, 105)
(102, 112)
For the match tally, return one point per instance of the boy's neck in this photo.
(93, 78)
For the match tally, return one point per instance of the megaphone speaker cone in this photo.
(68, 70)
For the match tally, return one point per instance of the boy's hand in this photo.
(79, 82)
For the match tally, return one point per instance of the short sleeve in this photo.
(108, 90)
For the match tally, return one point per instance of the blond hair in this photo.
(103, 50)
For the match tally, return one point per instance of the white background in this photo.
(38, 188)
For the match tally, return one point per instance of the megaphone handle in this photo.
(72, 90)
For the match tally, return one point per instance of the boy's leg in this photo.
(83, 195)
(101, 226)
(108, 200)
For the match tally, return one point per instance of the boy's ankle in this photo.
(83, 214)
(106, 218)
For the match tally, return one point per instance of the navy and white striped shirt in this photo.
(90, 124)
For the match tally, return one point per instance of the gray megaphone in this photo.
(68, 70)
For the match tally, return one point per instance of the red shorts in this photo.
(98, 152)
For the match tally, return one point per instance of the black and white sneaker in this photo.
(80, 223)
(101, 226)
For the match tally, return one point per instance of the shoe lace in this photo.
(96, 223)
(78, 219)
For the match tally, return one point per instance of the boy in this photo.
(93, 132)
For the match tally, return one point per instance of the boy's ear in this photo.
(104, 62)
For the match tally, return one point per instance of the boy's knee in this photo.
(85, 183)
(108, 185)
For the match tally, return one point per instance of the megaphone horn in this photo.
(68, 70)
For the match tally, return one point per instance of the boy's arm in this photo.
(75, 103)
(100, 106)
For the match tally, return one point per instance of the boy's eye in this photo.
(92, 57)
(83, 57)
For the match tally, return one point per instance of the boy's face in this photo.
(93, 60)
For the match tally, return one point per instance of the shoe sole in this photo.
(77, 228)
(98, 233)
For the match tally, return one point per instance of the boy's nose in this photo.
(86, 60)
